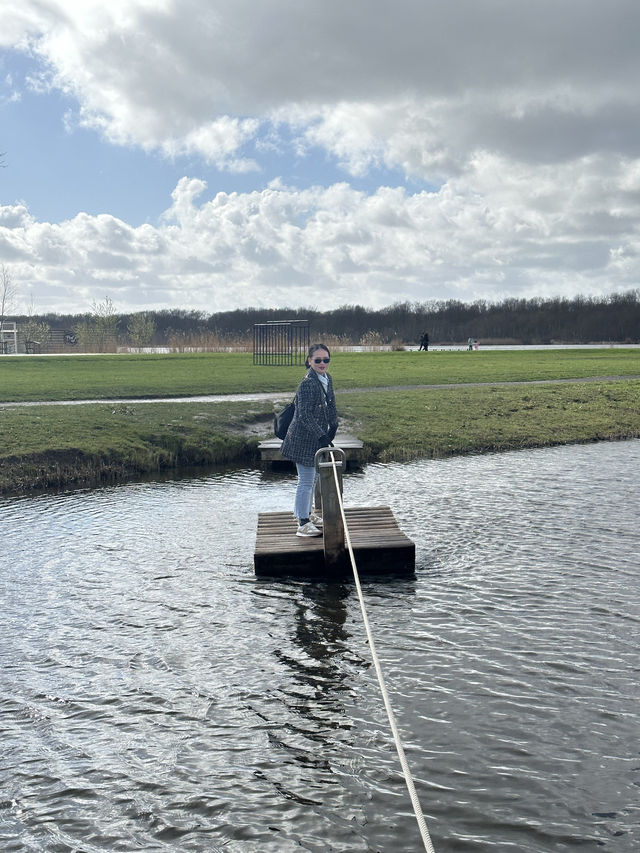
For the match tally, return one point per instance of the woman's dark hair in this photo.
(313, 348)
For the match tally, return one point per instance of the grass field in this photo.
(423, 424)
(63, 446)
(88, 377)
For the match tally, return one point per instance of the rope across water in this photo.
(422, 824)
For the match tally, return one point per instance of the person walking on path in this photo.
(424, 343)
(314, 425)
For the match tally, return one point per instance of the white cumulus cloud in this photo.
(327, 246)
(513, 130)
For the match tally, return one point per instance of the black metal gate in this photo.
(281, 342)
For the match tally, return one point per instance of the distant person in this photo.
(314, 425)
(470, 344)
(424, 342)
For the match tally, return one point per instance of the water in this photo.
(156, 696)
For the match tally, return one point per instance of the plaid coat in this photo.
(314, 416)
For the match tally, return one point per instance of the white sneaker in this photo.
(316, 519)
(308, 529)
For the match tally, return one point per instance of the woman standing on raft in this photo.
(314, 425)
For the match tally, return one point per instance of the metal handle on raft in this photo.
(327, 450)
(339, 464)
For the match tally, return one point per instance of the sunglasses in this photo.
(323, 360)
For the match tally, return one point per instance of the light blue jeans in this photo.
(307, 476)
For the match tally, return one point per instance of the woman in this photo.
(314, 425)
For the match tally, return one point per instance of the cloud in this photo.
(418, 86)
(327, 246)
(217, 141)
(512, 128)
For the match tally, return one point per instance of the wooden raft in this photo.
(380, 547)
(352, 446)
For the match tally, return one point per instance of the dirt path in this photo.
(280, 395)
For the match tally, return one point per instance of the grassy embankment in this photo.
(44, 446)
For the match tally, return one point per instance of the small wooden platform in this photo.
(379, 546)
(352, 446)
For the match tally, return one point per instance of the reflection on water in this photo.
(157, 696)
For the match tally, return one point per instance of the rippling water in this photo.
(156, 696)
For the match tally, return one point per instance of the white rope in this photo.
(422, 824)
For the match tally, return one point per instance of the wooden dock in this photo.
(352, 446)
(379, 546)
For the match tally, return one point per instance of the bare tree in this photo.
(7, 294)
(99, 331)
(35, 331)
(141, 329)
(105, 321)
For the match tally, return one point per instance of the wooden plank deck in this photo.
(379, 546)
(352, 446)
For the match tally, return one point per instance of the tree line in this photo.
(579, 320)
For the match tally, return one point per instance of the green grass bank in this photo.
(67, 446)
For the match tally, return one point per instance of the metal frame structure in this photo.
(8, 337)
(281, 342)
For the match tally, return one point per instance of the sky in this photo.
(218, 154)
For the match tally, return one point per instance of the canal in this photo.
(156, 696)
